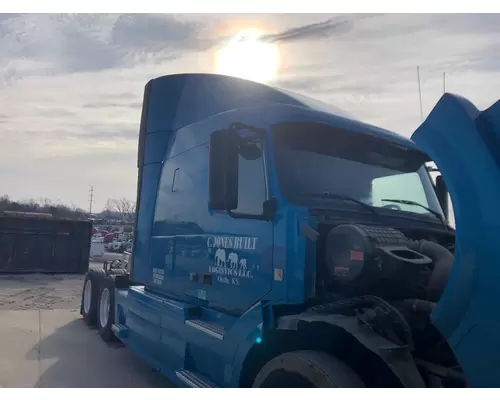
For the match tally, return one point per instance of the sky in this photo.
(71, 86)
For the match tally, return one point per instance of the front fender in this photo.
(465, 145)
(397, 358)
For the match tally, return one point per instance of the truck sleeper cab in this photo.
(278, 245)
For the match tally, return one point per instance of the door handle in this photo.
(173, 179)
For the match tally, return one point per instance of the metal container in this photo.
(40, 243)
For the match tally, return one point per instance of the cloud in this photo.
(371, 70)
(67, 43)
(71, 86)
(318, 30)
(152, 33)
(119, 103)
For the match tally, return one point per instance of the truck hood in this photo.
(465, 145)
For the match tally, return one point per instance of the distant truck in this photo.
(279, 243)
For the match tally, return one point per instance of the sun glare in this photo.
(245, 56)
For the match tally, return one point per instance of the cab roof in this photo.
(174, 101)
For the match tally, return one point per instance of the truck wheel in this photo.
(88, 307)
(106, 309)
(307, 369)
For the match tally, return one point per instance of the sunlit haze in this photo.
(245, 56)
(71, 85)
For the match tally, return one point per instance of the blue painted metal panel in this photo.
(198, 236)
(465, 144)
(142, 240)
(155, 146)
(159, 334)
(183, 99)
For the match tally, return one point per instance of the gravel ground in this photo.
(41, 292)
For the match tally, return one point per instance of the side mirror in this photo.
(249, 151)
(223, 171)
(442, 194)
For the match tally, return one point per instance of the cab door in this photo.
(233, 261)
(465, 145)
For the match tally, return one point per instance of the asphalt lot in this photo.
(45, 343)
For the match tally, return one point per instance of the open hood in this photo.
(465, 145)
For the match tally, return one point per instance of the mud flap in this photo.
(465, 145)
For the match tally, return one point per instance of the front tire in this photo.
(307, 369)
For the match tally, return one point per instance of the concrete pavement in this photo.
(45, 343)
(54, 348)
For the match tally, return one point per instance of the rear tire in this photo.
(307, 369)
(106, 309)
(90, 293)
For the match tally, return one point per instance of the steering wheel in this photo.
(392, 206)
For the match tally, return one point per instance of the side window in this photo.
(251, 183)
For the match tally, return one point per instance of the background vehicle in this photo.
(108, 238)
(280, 245)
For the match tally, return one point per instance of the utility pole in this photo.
(420, 94)
(444, 82)
(91, 201)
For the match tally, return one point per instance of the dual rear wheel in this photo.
(98, 302)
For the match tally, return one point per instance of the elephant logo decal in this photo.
(220, 258)
(228, 263)
(233, 260)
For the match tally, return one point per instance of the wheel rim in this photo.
(104, 307)
(87, 296)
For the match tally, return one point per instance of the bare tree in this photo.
(124, 207)
(5, 202)
(42, 205)
(45, 202)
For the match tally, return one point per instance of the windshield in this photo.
(315, 160)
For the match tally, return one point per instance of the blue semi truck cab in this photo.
(281, 243)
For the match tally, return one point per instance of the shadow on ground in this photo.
(72, 356)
